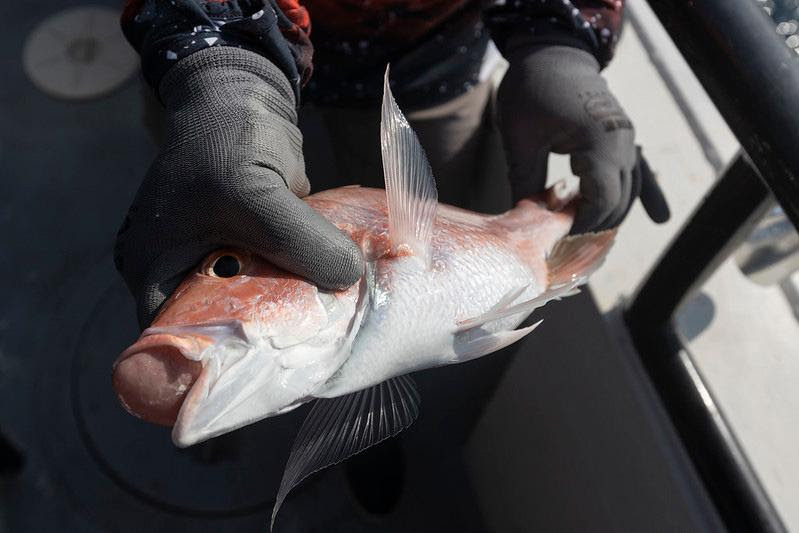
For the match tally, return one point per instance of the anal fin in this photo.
(490, 343)
(338, 428)
(504, 308)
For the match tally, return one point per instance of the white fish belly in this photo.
(412, 319)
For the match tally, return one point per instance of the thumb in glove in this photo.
(228, 174)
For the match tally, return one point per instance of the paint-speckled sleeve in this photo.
(165, 31)
(593, 25)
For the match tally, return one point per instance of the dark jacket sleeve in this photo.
(592, 25)
(165, 31)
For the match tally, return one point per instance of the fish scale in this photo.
(415, 331)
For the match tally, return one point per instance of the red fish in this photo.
(241, 340)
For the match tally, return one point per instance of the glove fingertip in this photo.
(659, 213)
(592, 213)
(651, 194)
(583, 224)
(339, 267)
(654, 202)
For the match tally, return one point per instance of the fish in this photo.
(241, 340)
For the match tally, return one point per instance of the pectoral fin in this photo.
(410, 186)
(338, 428)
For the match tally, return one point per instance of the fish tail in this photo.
(575, 257)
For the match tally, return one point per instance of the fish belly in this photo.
(411, 322)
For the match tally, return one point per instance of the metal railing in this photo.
(753, 79)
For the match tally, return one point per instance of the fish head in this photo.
(238, 341)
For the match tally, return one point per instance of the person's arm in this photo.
(554, 99)
(166, 31)
(230, 171)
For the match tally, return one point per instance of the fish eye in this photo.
(225, 266)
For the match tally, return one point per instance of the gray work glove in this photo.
(228, 174)
(553, 99)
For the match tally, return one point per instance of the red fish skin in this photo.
(530, 228)
(205, 299)
(152, 382)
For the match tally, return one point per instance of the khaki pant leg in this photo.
(452, 135)
(458, 136)
(341, 146)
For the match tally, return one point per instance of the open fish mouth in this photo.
(157, 375)
(205, 380)
(152, 376)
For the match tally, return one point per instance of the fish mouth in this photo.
(203, 380)
(154, 376)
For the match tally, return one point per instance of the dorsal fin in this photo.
(410, 186)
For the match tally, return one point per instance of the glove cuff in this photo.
(218, 73)
(549, 57)
(235, 103)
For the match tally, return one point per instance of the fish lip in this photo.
(188, 348)
(190, 340)
(213, 330)
(138, 399)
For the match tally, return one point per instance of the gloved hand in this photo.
(229, 174)
(553, 99)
